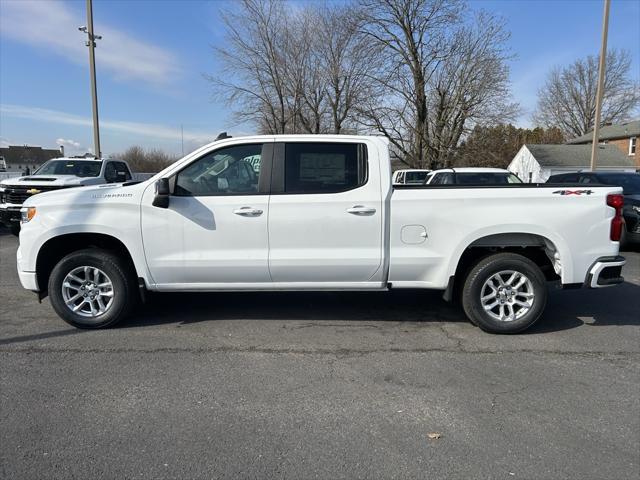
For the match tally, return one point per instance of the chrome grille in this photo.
(17, 195)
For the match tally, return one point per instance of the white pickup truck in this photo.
(315, 213)
(54, 175)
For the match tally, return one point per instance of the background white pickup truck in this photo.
(54, 175)
(318, 213)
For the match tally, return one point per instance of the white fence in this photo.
(138, 177)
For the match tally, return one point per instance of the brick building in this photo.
(624, 136)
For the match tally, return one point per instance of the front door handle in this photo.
(361, 210)
(248, 212)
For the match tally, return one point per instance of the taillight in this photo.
(617, 222)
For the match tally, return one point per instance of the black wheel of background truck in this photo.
(92, 288)
(504, 293)
(14, 228)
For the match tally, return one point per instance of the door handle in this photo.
(248, 212)
(361, 210)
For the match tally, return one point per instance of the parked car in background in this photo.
(410, 177)
(472, 176)
(54, 175)
(320, 213)
(630, 183)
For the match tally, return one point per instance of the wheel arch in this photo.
(55, 248)
(549, 255)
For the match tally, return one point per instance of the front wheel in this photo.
(91, 288)
(504, 293)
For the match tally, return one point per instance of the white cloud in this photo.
(141, 129)
(68, 143)
(53, 26)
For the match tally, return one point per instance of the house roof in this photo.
(26, 154)
(611, 132)
(579, 156)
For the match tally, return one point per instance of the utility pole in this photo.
(599, 93)
(91, 43)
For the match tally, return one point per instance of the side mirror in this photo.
(163, 192)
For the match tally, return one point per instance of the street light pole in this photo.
(599, 92)
(91, 38)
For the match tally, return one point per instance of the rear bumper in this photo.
(605, 272)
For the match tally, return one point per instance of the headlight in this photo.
(27, 214)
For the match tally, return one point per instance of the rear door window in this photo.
(324, 167)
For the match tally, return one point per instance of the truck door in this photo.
(214, 232)
(325, 214)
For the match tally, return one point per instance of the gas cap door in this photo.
(413, 234)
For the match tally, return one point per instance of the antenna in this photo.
(222, 136)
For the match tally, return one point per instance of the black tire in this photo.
(475, 287)
(14, 228)
(123, 286)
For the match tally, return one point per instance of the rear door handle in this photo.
(248, 212)
(361, 210)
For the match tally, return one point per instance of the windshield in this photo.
(482, 178)
(630, 183)
(475, 178)
(79, 168)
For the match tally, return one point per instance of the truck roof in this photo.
(71, 159)
(472, 170)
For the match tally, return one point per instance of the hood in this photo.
(46, 180)
(81, 195)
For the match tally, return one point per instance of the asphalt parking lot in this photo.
(320, 385)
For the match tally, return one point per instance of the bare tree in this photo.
(253, 78)
(348, 63)
(568, 98)
(148, 161)
(413, 35)
(443, 74)
(294, 70)
(470, 87)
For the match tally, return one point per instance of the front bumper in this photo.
(606, 272)
(29, 280)
(10, 214)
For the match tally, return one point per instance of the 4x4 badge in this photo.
(573, 192)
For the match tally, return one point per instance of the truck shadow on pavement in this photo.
(407, 306)
(619, 305)
(565, 309)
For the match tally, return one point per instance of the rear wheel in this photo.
(91, 289)
(504, 293)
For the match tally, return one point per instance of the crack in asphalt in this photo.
(319, 351)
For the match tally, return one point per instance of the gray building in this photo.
(21, 158)
(536, 163)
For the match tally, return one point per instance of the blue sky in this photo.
(152, 58)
